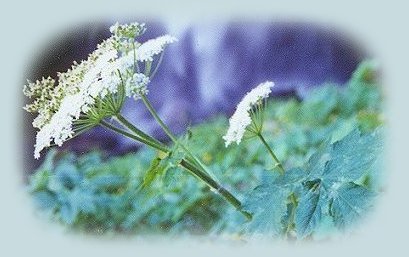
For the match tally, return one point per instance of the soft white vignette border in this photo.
(26, 26)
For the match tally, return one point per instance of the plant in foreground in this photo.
(93, 92)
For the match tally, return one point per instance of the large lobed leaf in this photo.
(336, 168)
(352, 157)
(268, 204)
(327, 188)
(268, 201)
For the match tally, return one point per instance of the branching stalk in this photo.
(171, 136)
(186, 164)
(134, 137)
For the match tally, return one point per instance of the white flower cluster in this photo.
(146, 52)
(137, 85)
(241, 117)
(153, 47)
(129, 31)
(95, 83)
(59, 106)
(45, 95)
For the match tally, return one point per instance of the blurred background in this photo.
(205, 73)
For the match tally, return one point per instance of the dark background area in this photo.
(205, 73)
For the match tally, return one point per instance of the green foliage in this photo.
(268, 204)
(329, 144)
(327, 186)
(95, 195)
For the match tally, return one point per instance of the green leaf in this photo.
(343, 129)
(68, 213)
(352, 157)
(67, 175)
(107, 182)
(362, 92)
(141, 205)
(268, 204)
(349, 202)
(329, 184)
(83, 200)
(39, 180)
(309, 212)
(156, 168)
(321, 102)
(296, 138)
(366, 72)
(172, 177)
(287, 111)
(347, 159)
(45, 200)
(290, 178)
(316, 164)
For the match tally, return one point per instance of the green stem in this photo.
(278, 163)
(152, 75)
(158, 119)
(170, 134)
(148, 66)
(135, 137)
(124, 122)
(135, 63)
(191, 168)
(217, 187)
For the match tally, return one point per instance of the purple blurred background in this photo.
(205, 73)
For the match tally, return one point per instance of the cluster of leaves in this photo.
(332, 136)
(298, 128)
(331, 190)
(121, 194)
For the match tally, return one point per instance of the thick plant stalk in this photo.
(185, 163)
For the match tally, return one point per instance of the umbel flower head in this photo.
(94, 88)
(242, 118)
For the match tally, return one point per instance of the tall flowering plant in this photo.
(93, 92)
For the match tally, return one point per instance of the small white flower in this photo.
(241, 117)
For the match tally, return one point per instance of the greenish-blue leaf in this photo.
(353, 156)
(309, 212)
(350, 202)
(268, 204)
